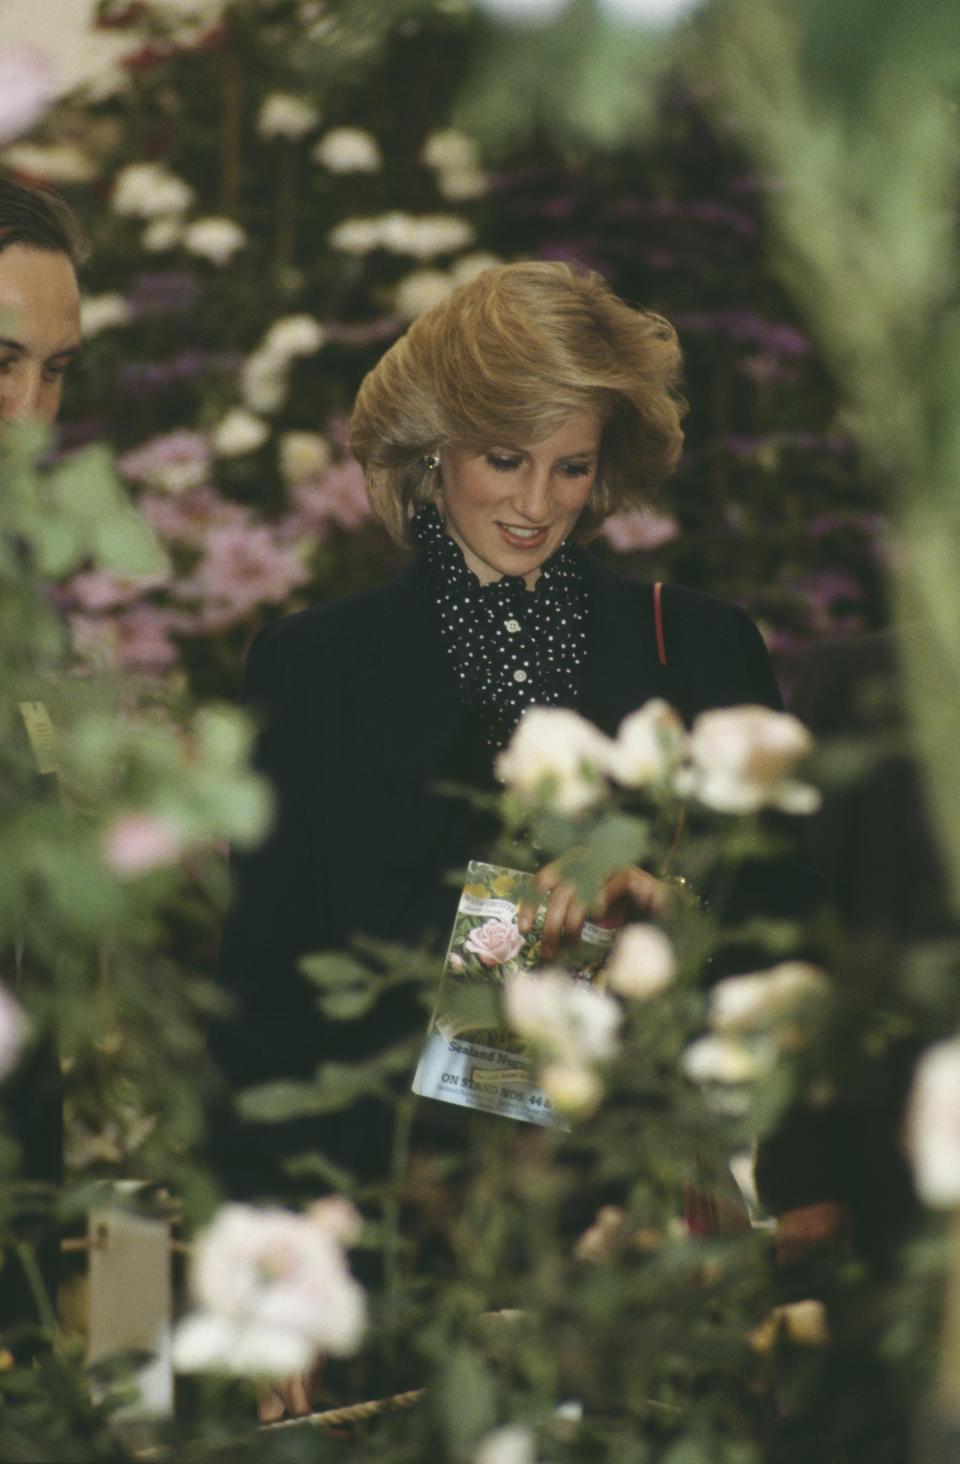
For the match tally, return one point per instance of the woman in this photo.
(496, 436)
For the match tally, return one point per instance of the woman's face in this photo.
(510, 507)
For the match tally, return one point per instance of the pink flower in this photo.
(137, 640)
(642, 528)
(241, 569)
(103, 591)
(27, 87)
(191, 516)
(174, 462)
(136, 843)
(338, 497)
(494, 942)
(13, 1030)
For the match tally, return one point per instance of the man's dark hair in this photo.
(39, 220)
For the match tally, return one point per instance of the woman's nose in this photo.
(533, 497)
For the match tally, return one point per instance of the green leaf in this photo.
(333, 969)
(466, 1399)
(126, 544)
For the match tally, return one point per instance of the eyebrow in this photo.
(21, 350)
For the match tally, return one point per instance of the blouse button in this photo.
(513, 626)
(519, 675)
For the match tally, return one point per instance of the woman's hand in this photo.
(628, 890)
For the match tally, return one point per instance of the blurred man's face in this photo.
(39, 331)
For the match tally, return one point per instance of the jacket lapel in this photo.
(402, 681)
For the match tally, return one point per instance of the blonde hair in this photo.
(503, 361)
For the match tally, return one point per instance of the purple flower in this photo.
(142, 380)
(190, 517)
(367, 332)
(102, 591)
(640, 529)
(744, 326)
(169, 290)
(174, 461)
(242, 567)
(137, 640)
(339, 497)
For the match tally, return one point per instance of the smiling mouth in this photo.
(523, 535)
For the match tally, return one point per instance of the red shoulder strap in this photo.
(658, 618)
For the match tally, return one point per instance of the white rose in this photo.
(741, 759)
(238, 433)
(557, 754)
(648, 745)
(264, 381)
(303, 455)
(714, 1059)
(161, 234)
(427, 235)
(419, 291)
(14, 1029)
(148, 190)
(642, 963)
(273, 1291)
(102, 312)
(932, 1126)
(284, 115)
(512, 1444)
(461, 184)
(356, 236)
(204, 1342)
(571, 1021)
(468, 266)
(571, 1086)
(450, 149)
(294, 335)
(63, 162)
(767, 998)
(348, 150)
(215, 239)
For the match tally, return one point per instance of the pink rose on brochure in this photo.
(494, 942)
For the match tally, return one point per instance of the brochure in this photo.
(471, 1058)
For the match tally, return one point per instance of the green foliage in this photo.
(483, 1284)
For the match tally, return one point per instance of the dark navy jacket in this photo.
(362, 717)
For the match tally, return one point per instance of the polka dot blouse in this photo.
(512, 648)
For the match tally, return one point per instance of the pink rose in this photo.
(136, 843)
(494, 942)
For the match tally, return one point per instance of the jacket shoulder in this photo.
(719, 651)
(330, 625)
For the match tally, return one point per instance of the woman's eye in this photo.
(502, 462)
(54, 373)
(576, 470)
